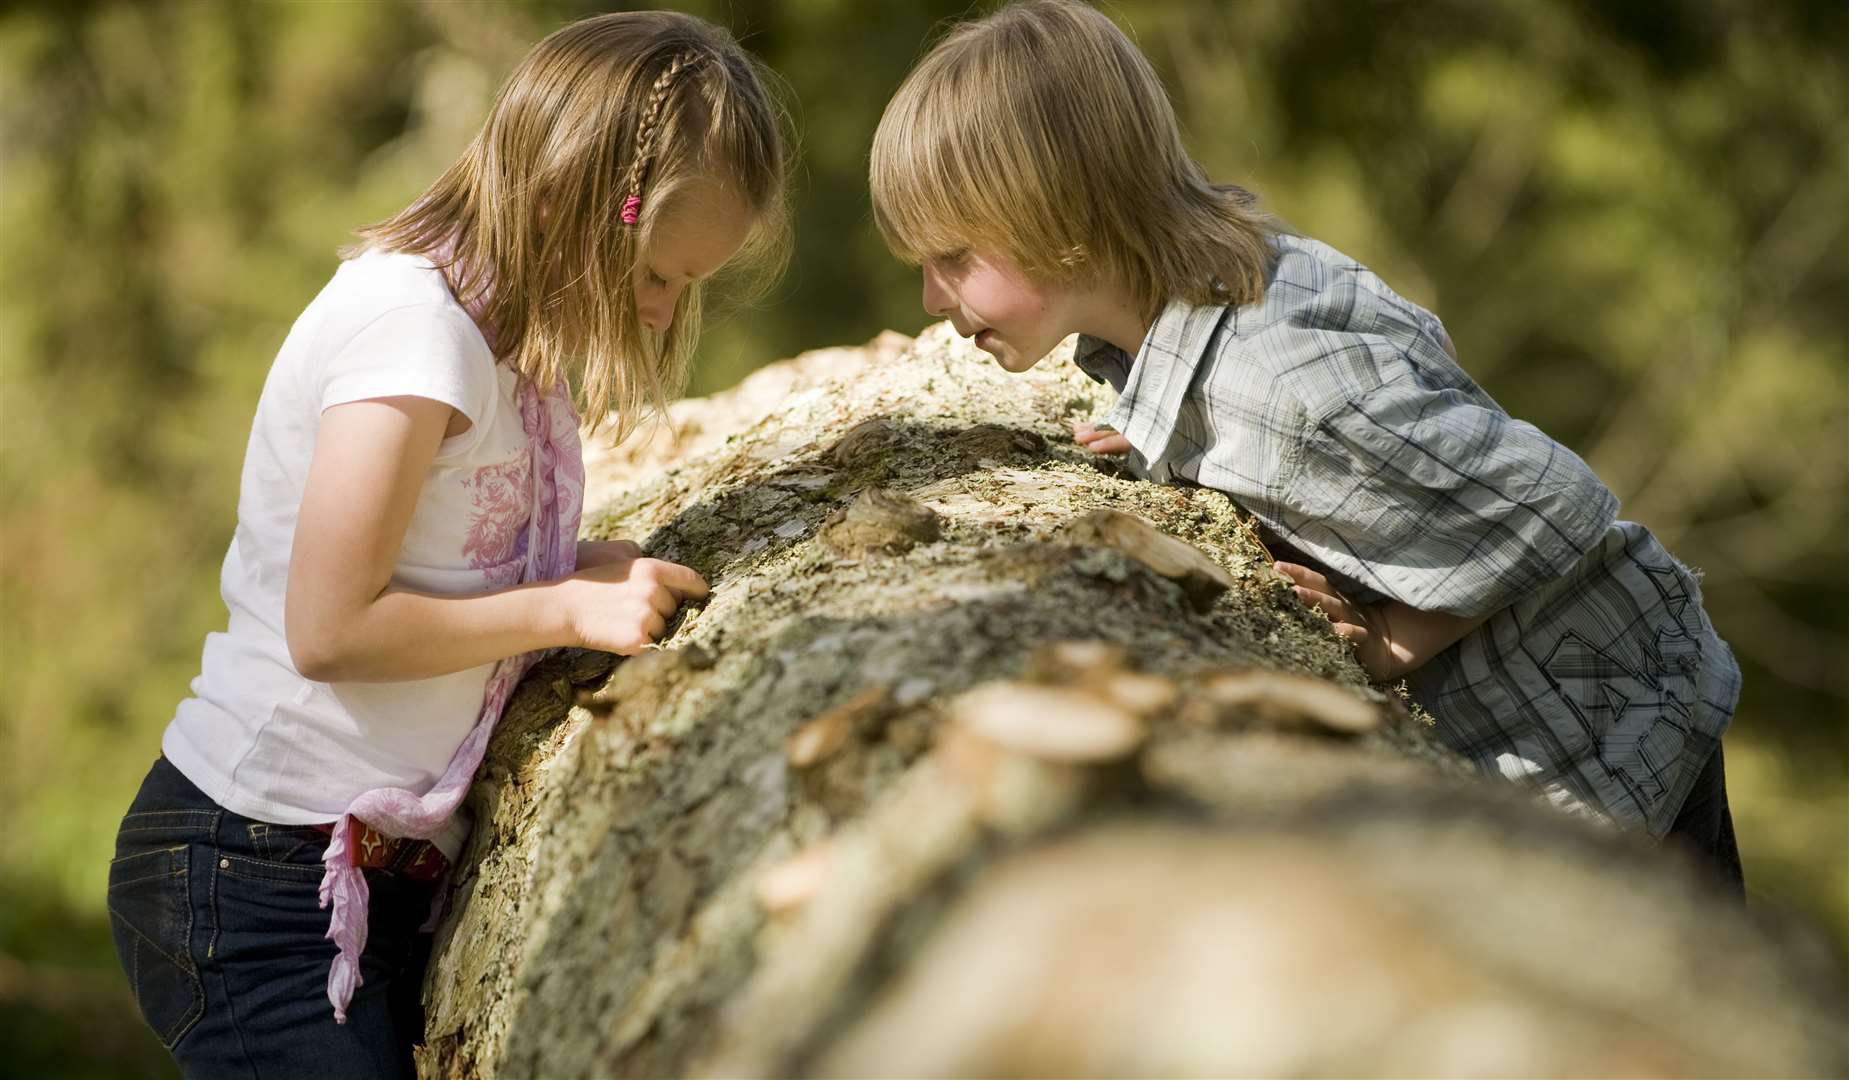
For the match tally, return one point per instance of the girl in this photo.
(1031, 164)
(407, 540)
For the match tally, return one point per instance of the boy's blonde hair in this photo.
(648, 104)
(1040, 131)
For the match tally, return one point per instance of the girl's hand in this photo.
(604, 552)
(1100, 439)
(624, 605)
(1363, 626)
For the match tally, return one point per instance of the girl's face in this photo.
(692, 240)
(985, 295)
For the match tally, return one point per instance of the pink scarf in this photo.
(551, 425)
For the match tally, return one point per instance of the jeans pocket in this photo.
(151, 918)
(302, 845)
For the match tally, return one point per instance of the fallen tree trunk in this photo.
(985, 758)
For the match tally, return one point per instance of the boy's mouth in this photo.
(984, 338)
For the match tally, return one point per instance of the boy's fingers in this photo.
(1086, 432)
(1109, 444)
(1334, 605)
(1302, 574)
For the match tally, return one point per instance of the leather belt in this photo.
(417, 860)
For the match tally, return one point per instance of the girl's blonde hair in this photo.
(648, 105)
(1040, 131)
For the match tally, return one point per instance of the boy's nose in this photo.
(937, 299)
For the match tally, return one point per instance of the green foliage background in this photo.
(1631, 215)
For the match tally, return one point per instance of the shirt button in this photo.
(224, 864)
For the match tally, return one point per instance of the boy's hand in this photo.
(623, 606)
(1100, 439)
(1360, 625)
(1390, 638)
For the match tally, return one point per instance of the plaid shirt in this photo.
(1333, 411)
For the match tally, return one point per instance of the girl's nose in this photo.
(656, 311)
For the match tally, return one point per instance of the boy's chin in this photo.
(1011, 359)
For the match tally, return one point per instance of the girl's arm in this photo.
(1390, 638)
(344, 622)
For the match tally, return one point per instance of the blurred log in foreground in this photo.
(985, 759)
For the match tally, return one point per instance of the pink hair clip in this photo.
(632, 209)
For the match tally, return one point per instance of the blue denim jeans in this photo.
(218, 925)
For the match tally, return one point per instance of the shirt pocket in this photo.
(151, 919)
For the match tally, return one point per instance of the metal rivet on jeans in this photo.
(224, 864)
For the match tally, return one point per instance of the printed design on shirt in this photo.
(501, 498)
(1641, 711)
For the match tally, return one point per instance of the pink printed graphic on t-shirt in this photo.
(503, 499)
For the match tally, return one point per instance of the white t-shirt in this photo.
(256, 736)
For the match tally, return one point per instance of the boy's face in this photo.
(985, 295)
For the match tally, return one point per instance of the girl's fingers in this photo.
(664, 602)
(685, 582)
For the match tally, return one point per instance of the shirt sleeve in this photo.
(422, 350)
(1437, 498)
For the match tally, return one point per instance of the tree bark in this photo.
(984, 758)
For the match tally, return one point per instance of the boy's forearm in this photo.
(404, 634)
(1415, 636)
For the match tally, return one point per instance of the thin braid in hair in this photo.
(645, 134)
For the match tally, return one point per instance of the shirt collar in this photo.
(1150, 390)
(1103, 361)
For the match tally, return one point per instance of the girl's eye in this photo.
(657, 280)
